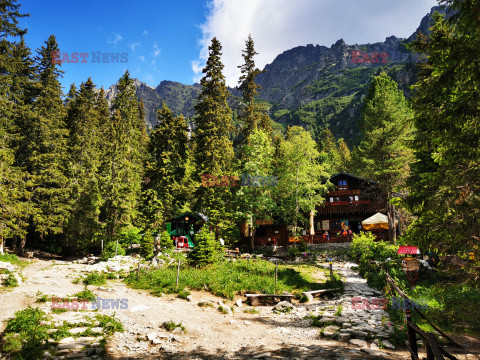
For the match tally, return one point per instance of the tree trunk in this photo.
(15, 243)
(392, 233)
(21, 248)
(2, 243)
(252, 239)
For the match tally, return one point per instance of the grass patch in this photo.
(42, 298)
(58, 311)
(172, 325)
(228, 278)
(86, 295)
(251, 311)
(14, 260)
(10, 281)
(24, 337)
(223, 309)
(184, 294)
(95, 278)
(110, 324)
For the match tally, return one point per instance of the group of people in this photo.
(344, 235)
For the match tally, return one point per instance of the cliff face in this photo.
(312, 86)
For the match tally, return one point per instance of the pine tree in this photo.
(213, 148)
(84, 163)
(207, 250)
(16, 85)
(166, 166)
(383, 154)
(444, 184)
(122, 163)
(252, 114)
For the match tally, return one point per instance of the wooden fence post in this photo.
(276, 276)
(178, 274)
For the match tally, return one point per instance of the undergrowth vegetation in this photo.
(229, 278)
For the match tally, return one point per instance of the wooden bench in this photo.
(318, 292)
(256, 299)
(232, 253)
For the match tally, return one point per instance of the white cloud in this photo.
(133, 45)
(141, 57)
(115, 39)
(145, 33)
(279, 25)
(156, 50)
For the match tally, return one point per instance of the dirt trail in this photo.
(210, 334)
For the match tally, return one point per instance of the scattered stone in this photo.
(359, 343)
(388, 344)
(151, 336)
(190, 298)
(261, 355)
(239, 303)
(282, 305)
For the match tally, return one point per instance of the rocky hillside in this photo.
(312, 86)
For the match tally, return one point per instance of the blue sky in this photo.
(168, 40)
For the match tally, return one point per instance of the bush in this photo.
(95, 278)
(130, 236)
(24, 336)
(86, 295)
(146, 245)
(10, 281)
(375, 259)
(109, 250)
(206, 250)
(110, 324)
(166, 240)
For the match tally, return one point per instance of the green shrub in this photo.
(95, 278)
(375, 258)
(130, 236)
(293, 252)
(166, 240)
(109, 250)
(183, 294)
(110, 324)
(171, 325)
(10, 281)
(146, 245)
(86, 295)
(24, 336)
(206, 250)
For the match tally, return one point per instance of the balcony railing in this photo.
(345, 207)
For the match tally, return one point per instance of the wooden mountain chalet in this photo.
(351, 201)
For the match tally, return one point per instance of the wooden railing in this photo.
(434, 351)
(343, 207)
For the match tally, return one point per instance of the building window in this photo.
(342, 184)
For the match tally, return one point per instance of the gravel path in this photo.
(209, 333)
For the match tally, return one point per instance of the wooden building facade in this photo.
(351, 201)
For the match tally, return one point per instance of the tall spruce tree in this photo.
(165, 168)
(213, 148)
(85, 141)
(444, 186)
(252, 114)
(43, 150)
(383, 154)
(16, 85)
(122, 164)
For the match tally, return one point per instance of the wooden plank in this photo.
(315, 292)
(267, 295)
(434, 348)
